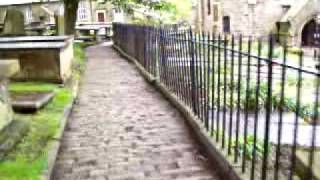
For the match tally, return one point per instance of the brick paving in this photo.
(123, 129)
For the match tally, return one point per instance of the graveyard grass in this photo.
(28, 159)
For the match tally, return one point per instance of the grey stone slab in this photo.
(33, 45)
(33, 39)
(30, 102)
(303, 165)
(8, 68)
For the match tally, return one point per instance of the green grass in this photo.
(22, 169)
(29, 158)
(31, 87)
(80, 58)
(80, 55)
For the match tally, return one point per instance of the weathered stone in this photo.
(303, 167)
(40, 58)
(7, 69)
(60, 26)
(11, 135)
(30, 102)
(14, 23)
(256, 19)
(5, 108)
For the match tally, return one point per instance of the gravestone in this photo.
(41, 58)
(7, 69)
(14, 23)
(60, 26)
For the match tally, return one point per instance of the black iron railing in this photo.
(258, 101)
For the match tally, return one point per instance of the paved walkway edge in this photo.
(216, 155)
(54, 146)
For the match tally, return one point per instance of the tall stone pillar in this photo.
(60, 22)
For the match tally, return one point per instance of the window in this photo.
(209, 6)
(226, 24)
(83, 11)
(28, 16)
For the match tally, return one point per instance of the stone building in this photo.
(42, 12)
(293, 19)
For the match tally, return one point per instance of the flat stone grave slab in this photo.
(33, 39)
(31, 101)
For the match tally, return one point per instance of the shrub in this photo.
(295, 50)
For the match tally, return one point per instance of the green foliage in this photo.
(179, 10)
(252, 100)
(79, 53)
(146, 21)
(249, 147)
(80, 58)
(170, 11)
(306, 109)
(31, 87)
(152, 5)
(295, 50)
(22, 169)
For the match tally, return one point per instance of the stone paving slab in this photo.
(123, 129)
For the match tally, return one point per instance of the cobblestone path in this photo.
(123, 129)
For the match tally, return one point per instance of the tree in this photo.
(71, 9)
(70, 13)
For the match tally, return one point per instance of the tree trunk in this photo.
(70, 12)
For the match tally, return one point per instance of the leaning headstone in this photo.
(7, 69)
(14, 23)
(60, 26)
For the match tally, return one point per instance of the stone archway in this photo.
(308, 34)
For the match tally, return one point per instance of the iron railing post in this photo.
(192, 72)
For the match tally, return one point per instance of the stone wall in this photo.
(258, 19)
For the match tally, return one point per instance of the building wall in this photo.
(257, 17)
(245, 18)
